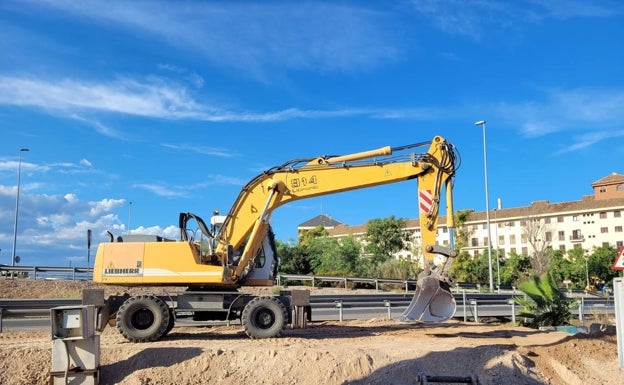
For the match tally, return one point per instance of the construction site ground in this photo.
(373, 351)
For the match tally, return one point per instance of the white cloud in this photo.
(475, 19)
(324, 36)
(205, 150)
(580, 109)
(105, 205)
(85, 162)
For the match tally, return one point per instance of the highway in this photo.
(34, 314)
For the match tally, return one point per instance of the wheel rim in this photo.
(142, 319)
(264, 319)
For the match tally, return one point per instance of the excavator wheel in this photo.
(143, 318)
(264, 317)
(171, 323)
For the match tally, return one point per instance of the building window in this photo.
(485, 226)
(577, 245)
(603, 215)
(620, 187)
(525, 251)
(560, 219)
(475, 253)
(618, 229)
(575, 218)
(523, 222)
(619, 244)
(546, 220)
(512, 250)
(523, 238)
(548, 236)
(562, 235)
(576, 235)
(603, 189)
(605, 244)
(501, 239)
(512, 239)
(474, 242)
(444, 230)
(485, 241)
(617, 214)
(562, 247)
(604, 230)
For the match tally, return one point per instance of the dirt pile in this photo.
(374, 351)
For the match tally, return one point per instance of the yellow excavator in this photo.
(238, 248)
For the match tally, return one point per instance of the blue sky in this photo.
(174, 106)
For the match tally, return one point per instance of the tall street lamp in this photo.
(19, 174)
(129, 207)
(487, 207)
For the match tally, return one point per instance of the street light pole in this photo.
(129, 207)
(19, 175)
(487, 207)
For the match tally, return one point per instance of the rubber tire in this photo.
(143, 318)
(264, 317)
(171, 323)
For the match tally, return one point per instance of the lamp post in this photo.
(129, 207)
(19, 174)
(487, 207)
(497, 247)
(586, 269)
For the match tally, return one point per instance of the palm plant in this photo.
(543, 304)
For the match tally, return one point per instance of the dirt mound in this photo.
(374, 351)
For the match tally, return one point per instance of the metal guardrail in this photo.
(38, 272)
(469, 305)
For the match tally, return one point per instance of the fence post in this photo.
(475, 311)
(1, 311)
(464, 302)
(338, 305)
(389, 306)
(581, 316)
(513, 311)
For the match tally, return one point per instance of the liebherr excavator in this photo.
(238, 249)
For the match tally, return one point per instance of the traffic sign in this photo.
(619, 261)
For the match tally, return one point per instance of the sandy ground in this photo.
(375, 351)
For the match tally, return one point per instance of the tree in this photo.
(462, 233)
(544, 304)
(330, 256)
(308, 234)
(515, 269)
(538, 234)
(384, 237)
(295, 258)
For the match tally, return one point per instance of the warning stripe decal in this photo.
(425, 201)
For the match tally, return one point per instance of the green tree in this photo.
(462, 233)
(384, 237)
(515, 269)
(295, 258)
(330, 256)
(544, 304)
(307, 235)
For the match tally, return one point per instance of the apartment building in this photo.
(591, 222)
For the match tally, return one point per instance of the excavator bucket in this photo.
(432, 301)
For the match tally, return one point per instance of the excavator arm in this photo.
(247, 223)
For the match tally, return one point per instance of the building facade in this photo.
(594, 221)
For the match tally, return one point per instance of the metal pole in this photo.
(497, 248)
(487, 207)
(129, 207)
(19, 176)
